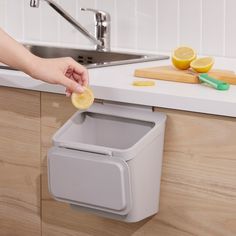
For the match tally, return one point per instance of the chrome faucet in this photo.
(102, 24)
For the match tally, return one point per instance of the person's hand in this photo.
(64, 71)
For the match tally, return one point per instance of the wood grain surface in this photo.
(198, 188)
(19, 163)
(170, 73)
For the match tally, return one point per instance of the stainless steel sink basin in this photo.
(91, 58)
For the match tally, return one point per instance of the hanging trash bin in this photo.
(108, 161)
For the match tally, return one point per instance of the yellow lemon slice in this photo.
(83, 100)
(202, 65)
(143, 83)
(182, 57)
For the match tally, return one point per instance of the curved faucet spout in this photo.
(74, 22)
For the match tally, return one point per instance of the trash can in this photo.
(107, 160)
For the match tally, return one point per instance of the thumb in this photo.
(72, 85)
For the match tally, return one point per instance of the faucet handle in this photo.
(101, 16)
(34, 3)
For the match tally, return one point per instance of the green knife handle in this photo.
(217, 84)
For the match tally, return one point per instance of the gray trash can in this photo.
(108, 160)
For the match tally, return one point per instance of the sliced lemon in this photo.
(143, 83)
(202, 65)
(182, 57)
(83, 100)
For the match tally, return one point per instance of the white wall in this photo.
(154, 25)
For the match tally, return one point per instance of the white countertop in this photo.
(115, 84)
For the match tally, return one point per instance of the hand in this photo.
(64, 71)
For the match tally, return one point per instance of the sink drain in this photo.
(85, 60)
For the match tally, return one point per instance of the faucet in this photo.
(102, 24)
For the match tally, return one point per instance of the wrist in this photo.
(31, 65)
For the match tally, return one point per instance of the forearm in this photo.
(14, 54)
(65, 71)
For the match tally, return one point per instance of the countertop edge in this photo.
(166, 94)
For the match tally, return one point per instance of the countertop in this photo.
(115, 83)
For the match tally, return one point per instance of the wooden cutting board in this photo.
(185, 76)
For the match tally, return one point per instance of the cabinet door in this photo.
(198, 188)
(59, 219)
(19, 162)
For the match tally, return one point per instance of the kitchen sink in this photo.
(91, 58)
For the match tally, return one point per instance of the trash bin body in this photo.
(108, 160)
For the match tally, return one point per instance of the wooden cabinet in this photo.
(19, 162)
(198, 187)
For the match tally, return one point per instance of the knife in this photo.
(215, 83)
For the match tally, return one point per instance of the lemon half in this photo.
(182, 57)
(83, 100)
(202, 65)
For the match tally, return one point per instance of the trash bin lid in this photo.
(109, 129)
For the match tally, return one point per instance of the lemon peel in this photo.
(143, 83)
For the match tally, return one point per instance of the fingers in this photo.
(71, 86)
(82, 72)
(68, 92)
(75, 77)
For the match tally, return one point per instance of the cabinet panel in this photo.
(20, 126)
(58, 218)
(19, 162)
(198, 188)
(55, 111)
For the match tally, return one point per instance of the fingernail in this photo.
(79, 89)
(68, 94)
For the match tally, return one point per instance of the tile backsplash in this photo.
(154, 25)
